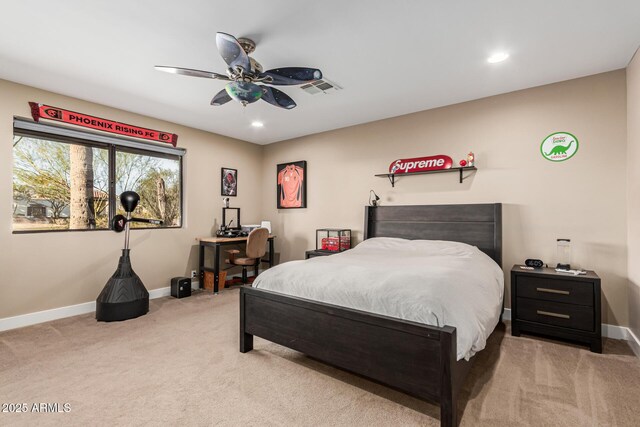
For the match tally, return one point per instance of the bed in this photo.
(416, 358)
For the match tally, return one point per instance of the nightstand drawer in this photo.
(558, 290)
(555, 313)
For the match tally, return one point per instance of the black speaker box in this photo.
(180, 287)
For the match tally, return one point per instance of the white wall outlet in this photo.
(194, 274)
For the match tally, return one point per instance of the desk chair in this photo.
(256, 248)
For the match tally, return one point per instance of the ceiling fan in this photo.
(245, 72)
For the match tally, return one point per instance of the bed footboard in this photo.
(414, 358)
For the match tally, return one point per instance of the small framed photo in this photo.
(229, 182)
(292, 185)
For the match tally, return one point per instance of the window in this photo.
(63, 182)
(59, 186)
(156, 180)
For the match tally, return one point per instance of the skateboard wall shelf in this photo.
(461, 170)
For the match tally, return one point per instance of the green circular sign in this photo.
(559, 146)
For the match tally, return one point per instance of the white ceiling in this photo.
(391, 57)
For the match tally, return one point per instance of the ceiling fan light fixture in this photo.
(244, 92)
(497, 57)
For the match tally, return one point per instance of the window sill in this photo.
(85, 230)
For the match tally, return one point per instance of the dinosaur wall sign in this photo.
(559, 146)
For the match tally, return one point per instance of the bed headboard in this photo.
(476, 224)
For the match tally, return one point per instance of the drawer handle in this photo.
(553, 291)
(551, 314)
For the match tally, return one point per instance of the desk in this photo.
(217, 243)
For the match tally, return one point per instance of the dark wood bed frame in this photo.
(412, 357)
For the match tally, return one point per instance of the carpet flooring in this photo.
(180, 365)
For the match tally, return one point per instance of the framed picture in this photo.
(292, 185)
(229, 182)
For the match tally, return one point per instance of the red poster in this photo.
(41, 111)
(420, 164)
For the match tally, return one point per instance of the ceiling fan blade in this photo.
(191, 72)
(292, 75)
(278, 98)
(221, 98)
(232, 52)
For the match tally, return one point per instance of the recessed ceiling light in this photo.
(497, 57)
(257, 124)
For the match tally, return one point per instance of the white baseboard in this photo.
(62, 312)
(609, 331)
(46, 315)
(634, 342)
(160, 292)
(615, 332)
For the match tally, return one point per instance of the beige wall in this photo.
(583, 198)
(49, 270)
(633, 191)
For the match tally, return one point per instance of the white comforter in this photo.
(432, 282)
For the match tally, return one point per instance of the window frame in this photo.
(112, 149)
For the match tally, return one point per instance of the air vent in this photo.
(320, 86)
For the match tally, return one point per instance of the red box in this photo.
(335, 245)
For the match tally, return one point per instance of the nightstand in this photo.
(318, 252)
(559, 305)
